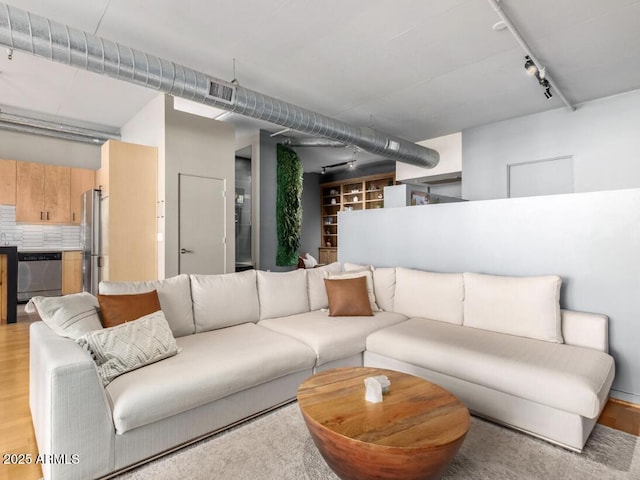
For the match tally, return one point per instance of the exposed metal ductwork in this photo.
(24, 124)
(21, 30)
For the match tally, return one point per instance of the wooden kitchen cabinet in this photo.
(71, 272)
(128, 177)
(82, 179)
(42, 193)
(7, 182)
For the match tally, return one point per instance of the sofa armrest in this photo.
(583, 329)
(69, 407)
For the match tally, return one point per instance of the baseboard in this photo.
(631, 398)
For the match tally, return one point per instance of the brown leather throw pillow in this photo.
(117, 309)
(348, 297)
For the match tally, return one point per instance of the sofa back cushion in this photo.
(174, 294)
(436, 296)
(282, 293)
(384, 283)
(224, 300)
(522, 306)
(384, 287)
(315, 285)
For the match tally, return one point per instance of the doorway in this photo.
(243, 210)
(202, 219)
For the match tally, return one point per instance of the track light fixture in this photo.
(350, 164)
(540, 73)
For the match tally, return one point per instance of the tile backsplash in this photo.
(55, 237)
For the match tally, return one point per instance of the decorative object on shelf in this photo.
(419, 198)
(334, 192)
(355, 199)
(380, 196)
(288, 205)
(327, 232)
(328, 243)
(333, 201)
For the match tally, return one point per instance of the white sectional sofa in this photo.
(247, 340)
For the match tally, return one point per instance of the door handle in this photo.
(184, 250)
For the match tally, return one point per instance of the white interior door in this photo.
(202, 221)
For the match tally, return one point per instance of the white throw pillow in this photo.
(130, 345)
(69, 316)
(315, 285)
(432, 295)
(384, 287)
(522, 306)
(224, 300)
(309, 261)
(282, 293)
(355, 274)
(349, 267)
(174, 294)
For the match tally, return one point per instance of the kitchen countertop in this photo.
(53, 249)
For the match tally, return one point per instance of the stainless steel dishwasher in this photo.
(39, 274)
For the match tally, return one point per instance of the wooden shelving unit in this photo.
(354, 194)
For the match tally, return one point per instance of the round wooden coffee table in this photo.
(413, 434)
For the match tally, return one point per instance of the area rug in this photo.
(277, 446)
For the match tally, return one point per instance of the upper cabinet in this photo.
(82, 180)
(43, 193)
(7, 182)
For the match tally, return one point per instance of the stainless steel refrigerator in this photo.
(91, 241)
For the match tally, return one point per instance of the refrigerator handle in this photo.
(100, 262)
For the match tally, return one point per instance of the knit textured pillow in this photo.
(130, 345)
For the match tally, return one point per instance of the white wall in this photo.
(601, 135)
(589, 239)
(186, 144)
(196, 146)
(40, 149)
(147, 128)
(450, 149)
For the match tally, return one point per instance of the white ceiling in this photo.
(416, 69)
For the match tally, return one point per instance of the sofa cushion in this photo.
(348, 297)
(210, 365)
(384, 287)
(569, 378)
(174, 294)
(332, 338)
(315, 285)
(384, 283)
(117, 309)
(282, 293)
(130, 345)
(69, 316)
(437, 296)
(224, 300)
(367, 273)
(523, 306)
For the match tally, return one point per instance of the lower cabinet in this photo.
(327, 255)
(71, 272)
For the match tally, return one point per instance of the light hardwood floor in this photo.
(16, 430)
